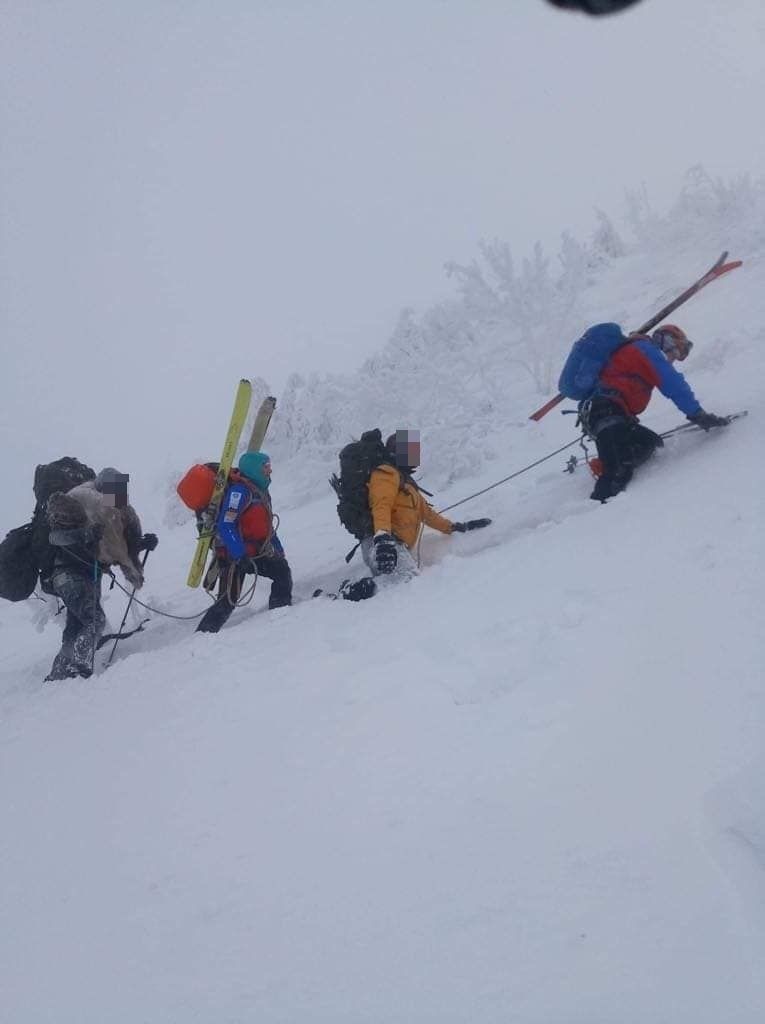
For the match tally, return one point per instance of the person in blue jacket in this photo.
(624, 389)
(246, 542)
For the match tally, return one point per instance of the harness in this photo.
(256, 495)
(266, 548)
(591, 423)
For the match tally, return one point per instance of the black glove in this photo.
(148, 542)
(707, 420)
(471, 524)
(386, 554)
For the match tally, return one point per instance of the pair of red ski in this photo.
(715, 271)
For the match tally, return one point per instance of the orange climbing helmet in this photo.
(673, 341)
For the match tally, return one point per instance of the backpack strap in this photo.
(407, 478)
(257, 496)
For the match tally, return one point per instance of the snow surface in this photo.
(526, 787)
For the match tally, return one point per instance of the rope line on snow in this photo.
(577, 440)
(250, 593)
(241, 603)
(116, 583)
(157, 611)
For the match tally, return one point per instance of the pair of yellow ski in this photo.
(238, 419)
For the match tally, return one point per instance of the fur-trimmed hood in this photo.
(122, 530)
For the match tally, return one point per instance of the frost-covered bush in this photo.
(480, 361)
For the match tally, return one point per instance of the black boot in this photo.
(610, 484)
(361, 590)
(62, 667)
(602, 489)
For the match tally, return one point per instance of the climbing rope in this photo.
(241, 603)
(231, 584)
(577, 440)
(157, 611)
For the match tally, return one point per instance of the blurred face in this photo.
(115, 491)
(408, 448)
(266, 470)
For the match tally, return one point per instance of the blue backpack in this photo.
(579, 377)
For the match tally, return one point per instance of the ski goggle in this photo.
(672, 345)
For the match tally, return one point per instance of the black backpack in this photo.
(27, 551)
(61, 475)
(357, 460)
(18, 566)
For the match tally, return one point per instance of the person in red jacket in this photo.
(624, 390)
(246, 542)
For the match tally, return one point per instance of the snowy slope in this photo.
(525, 787)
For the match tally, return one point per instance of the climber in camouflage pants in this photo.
(84, 529)
(75, 579)
(85, 620)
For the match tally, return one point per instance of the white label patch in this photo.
(235, 499)
(229, 517)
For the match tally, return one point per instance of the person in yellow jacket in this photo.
(399, 513)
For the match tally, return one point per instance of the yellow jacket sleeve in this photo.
(432, 519)
(383, 489)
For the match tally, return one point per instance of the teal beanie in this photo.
(251, 465)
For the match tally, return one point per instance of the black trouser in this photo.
(230, 583)
(623, 444)
(85, 622)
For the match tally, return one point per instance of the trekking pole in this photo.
(96, 602)
(124, 617)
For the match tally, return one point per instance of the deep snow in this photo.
(525, 787)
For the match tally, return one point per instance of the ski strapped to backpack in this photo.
(595, 342)
(199, 478)
(357, 460)
(261, 423)
(209, 516)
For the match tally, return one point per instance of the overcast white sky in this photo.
(196, 191)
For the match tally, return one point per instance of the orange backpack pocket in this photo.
(196, 488)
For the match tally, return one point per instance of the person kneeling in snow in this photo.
(399, 513)
(246, 542)
(92, 527)
(624, 389)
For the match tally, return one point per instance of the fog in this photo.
(194, 192)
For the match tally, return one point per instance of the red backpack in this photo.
(196, 488)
